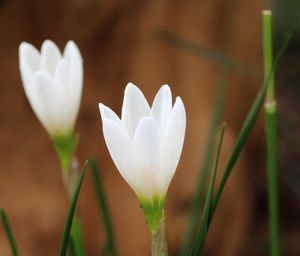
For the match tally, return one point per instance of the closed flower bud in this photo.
(53, 84)
(146, 144)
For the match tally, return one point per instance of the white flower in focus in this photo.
(53, 84)
(146, 143)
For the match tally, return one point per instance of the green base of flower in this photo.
(153, 210)
(65, 146)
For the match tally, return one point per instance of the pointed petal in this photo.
(162, 106)
(120, 147)
(56, 116)
(135, 106)
(26, 77)
(173, 142)
(73, 57)
(50, 56)
(147, 147)
(109, 114)
(30, 56)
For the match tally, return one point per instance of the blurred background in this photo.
(195, 47)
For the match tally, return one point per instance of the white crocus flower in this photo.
(146, 144)
(53, 84)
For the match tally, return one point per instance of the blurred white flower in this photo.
(53, 84)
(146, 143)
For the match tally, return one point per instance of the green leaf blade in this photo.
(9, 233)
(247, 126)
(69, 221)
(110, 248)
(198, 246)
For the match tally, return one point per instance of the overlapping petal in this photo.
(162, 106)
(135, 106)
(146, 144)
(172, 143)
(53, 84)
(50, 56)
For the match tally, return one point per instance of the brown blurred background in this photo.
(149, 43)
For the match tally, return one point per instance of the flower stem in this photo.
(70, 180)
(271, 135)
(159, 239)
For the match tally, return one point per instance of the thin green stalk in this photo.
(69, 221)
(199, 242)
(247, 127)
(8, 232)
(110, 247)
(71, 176)
(268, 52)
(197, 202)
(76, 236)
(159, 245)
(271, 135)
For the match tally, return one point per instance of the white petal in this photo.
(108, 114)
(120, 147)
(147, 146)
(135, 106)
(50, 56)
(73, 57)
(173, 143)
(56, 117)
(29, 55)
(162, 106)
(26, 76)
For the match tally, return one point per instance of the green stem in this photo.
(271, 135)
(199, 197)
(71, 177)
(159, 239)
(76, 236)
(9, 233)
(268, 52)
(110, 248)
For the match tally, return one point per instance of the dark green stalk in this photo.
(247, 127)
(110, 247)
(199, 242)
(197, 202)
(8, 232)
(77, 239)
(271, 135)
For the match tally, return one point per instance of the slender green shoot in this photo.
(8, 233)
(110, 248)
(271, 135)
(69, 221)
(76, 237)
(247, 127)
(199, 197)
(268, 52)
(198, 246)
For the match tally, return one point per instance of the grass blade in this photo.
(8, 232)
(69, 221)
(198, 246)
(218, 105)
(110, 248)
(247, 127)
(271, 135)
(76, 237)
